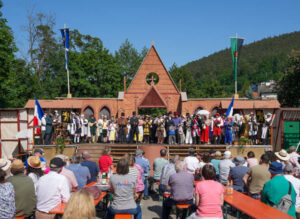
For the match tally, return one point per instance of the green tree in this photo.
(289, 84)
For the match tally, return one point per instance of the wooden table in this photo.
(252, 207)
(60, 208)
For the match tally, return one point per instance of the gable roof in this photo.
(152, 99)
(152, 63)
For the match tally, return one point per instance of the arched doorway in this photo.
(198, 109)
(88, 111)
(105, 111)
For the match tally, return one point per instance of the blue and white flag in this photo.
(229, 111)
(65, 38)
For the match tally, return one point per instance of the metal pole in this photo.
(68, 82)
(235, 73)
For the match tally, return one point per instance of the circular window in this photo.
(152, 78)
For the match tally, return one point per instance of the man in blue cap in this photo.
(278, 187)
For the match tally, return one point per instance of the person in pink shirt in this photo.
(208, 201)
(251, 160)
(137, 171)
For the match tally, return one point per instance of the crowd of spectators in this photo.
(32, 191)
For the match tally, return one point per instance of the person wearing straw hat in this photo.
(5, 166)
(278, 187)
(24, 190)
(34, 169)
(283, 157)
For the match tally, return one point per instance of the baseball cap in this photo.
(56, 162)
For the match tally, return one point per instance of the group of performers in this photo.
(169, 129)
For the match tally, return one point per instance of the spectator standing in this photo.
(34, 169)
(215, 162)
(208, 201)
(224, 167)
(81, 173)
(278, 187)
(166, 172)
(237, 174)
(7, 197)
(73, 185)
(182, 189)
(289, 173)
(123, 187)
(93, 166)
(81, 205)
(52, 189)
(25, 197)
(105, 161)
(191, 162)
(257, 176)
(158, 164)
(251, 160)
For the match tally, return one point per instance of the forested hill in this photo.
(259, 61)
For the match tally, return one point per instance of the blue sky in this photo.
(183, 31)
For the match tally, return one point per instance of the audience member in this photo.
(256, 177)
(251, 160)
(5, 166)
(208, 201)
(38, 152)
(215, 162)
(294, 157)
(283, 157)
(34, 169)
(81, 173)
(137, 171)
(146, 167)
(25, 197)
(7, 197)
(51, 190)
(166, 172)
(271, 155)
(81, 205)
(123, 188)
(278, 187)
(182, 189)
(237, 173)
(93, 167)
(105, 161)
(224, 167)
(289, 171)
(191, 162)
(158, 164)
(72, 182)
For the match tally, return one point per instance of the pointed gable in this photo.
(152, 99)
(152, 64)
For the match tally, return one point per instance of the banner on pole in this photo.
(236, 47)
(65, 38)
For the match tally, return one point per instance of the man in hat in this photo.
(266, 129)
(256, 177)
(93, 127)
(5, 166)
(282, 157)
(217, 124)
(253, 127)
(168, 123)
(224, 167)
(84, 128)
(52, 189)
(177, 122)
(228, 130)
(122, 123)
(237, 173)
(134, 122)
(49, 128)
(278, 187)
(24, 190)
(99, 126)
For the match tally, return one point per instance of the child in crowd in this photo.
(172, 138)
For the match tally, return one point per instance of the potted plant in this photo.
(59, 144)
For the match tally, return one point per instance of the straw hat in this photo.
(17, 164)
(282, 155)
(4, 164)
(34, 162)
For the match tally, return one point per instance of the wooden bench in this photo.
(123, 216)
(182, 207)
(252, 207)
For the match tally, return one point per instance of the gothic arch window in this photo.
(105, 111)
(88, 111)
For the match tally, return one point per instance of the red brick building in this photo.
(152, 86)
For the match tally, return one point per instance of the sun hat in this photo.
(56, 162)
(218, 154)
(4, 164)
(282, 155)
(275, 167)
(238, 160)
(227, 154)
(17, 164)
(34, 162)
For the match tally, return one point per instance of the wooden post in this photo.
(180, 85)
(124, 84)
(272, 136)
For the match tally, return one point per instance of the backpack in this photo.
(285, 202)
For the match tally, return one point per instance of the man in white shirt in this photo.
(289, 171)
(224, 167)
(43, 123)
(191, 163)
(294, 157)
(51, 190)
